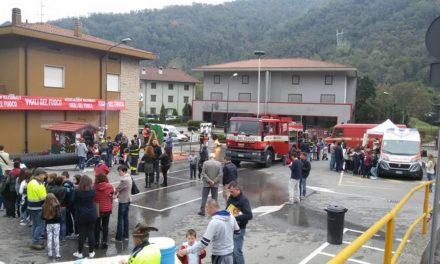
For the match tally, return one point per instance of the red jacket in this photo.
(184, 259)
(104, 196)
(102, 168)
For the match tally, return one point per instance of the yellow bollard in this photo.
(389, 239)
(425, 210)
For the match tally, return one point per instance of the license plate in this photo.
(241, 155)
(399, 172)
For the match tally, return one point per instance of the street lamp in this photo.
(227, 103)
(107, 53)
(259, 53)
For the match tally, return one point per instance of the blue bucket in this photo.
(167, 249)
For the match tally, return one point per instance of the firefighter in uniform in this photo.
(144, 252)
(134, 156)
(146, 134)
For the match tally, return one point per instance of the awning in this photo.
(70, 126)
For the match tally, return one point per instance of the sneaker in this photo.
(116, 240)
(91, 254)
(104, 246)
(37, 246)
(23, 223)
(58, 256)
(201, 213)
(125, 238)
(77, 255)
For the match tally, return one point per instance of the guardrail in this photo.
(389, 220)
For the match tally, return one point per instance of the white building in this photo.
(316, 93)
(171, 87)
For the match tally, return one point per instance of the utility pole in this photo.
(339, 38)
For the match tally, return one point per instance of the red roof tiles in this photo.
(274, 63)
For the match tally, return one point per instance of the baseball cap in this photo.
(39, 171)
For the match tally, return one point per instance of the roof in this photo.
(56, 34)
(166, 75)
(69, 126)
(280, 64)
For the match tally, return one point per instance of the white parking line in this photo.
(369, 247)
(171, 207)
(142, 177)
(352, 260)
(314, 253)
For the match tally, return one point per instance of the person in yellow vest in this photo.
(143, 252)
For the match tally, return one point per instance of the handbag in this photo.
(134, 188)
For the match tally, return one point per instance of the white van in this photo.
(400, 153)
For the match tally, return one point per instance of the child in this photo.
(52, 214)
(193, 159)
(190, 241)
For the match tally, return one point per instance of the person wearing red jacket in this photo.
(103, 199)
(191, 237)
(102, 168)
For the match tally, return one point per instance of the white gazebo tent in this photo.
(378, 130)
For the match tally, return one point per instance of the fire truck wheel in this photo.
(269, 159)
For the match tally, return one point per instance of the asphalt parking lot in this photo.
(279, 233)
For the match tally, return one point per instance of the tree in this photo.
(162, 116)
(175, 112)
(364, 111)
(187, 110)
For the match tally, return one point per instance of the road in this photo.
(278, 233)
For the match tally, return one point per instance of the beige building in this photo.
(171, 87)
(50, 75)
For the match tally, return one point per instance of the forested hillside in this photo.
(384, 39)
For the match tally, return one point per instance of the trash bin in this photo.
(335, 223)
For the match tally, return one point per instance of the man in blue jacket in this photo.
(238, 205)
(229, 175)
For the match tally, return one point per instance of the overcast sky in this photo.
(54, 9)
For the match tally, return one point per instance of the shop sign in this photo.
(18, 102)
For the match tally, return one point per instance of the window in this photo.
(170, 98)
(153, 85)
(295, 79)
(245, 79)
(112, 82)
(327, 98)
(186, 99)
(153, 110)
(216, 96)
(152, 98)
(244, 96)
(170, 86)
(186, 87)
(295, 98)
(53, 76)
(216, 79)
(329, 80)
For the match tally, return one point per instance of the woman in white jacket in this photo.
(430, 169)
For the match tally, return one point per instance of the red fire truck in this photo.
(260, 140)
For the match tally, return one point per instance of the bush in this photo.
(173, 121)
(221, 137)
(194, 123)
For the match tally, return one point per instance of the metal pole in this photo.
(258, 93)
(433, 240)
(105, 92)
(227, 109)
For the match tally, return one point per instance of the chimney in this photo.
(16, 16)
(160, 70)
(144, 71)
(77, 30)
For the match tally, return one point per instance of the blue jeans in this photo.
(303, 186)
(122, 226)
(430, 176)
(238, 247)
(82, 161)
(37, 225)
(156, 170)
(63, 223)
(332, 161)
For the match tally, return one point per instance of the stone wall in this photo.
(128, 118)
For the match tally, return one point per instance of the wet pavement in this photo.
(278, 233)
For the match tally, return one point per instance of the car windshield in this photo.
(401, 147)
(244, 127)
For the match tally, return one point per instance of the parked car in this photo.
(171, 117)
(152, 117)
(175, 133)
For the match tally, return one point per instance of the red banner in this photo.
(18, 102)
